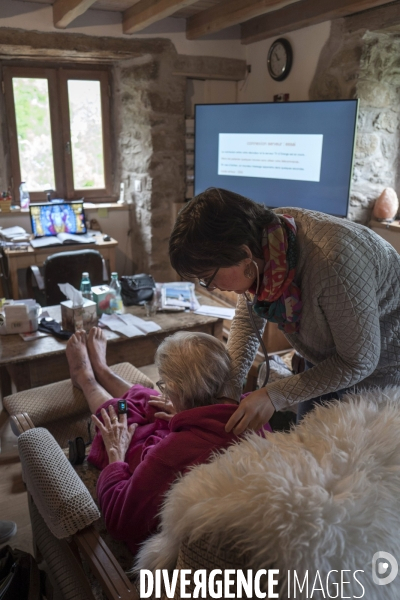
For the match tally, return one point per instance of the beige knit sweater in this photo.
(350, 322)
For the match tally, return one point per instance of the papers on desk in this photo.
(14, 234)
(128, 325)
(222, 312)
(34, 335)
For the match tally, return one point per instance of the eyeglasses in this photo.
(206, 283)
(161, 386)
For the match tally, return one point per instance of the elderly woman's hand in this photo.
(115, 432)
(253, 412)
(166, 407)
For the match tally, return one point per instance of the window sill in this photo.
(88, 206)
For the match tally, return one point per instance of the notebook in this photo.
(55, 224)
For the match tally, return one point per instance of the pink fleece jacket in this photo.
(131, 493)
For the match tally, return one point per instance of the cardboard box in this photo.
(80, 317)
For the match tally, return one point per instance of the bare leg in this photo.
(82, 375)
(97, 346)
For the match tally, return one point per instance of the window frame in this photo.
(57, 77)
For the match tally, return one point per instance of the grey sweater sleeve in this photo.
(242, 346)
(345, 295)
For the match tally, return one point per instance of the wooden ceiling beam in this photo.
(66, 11)
(147, 12)
(302, 14)
(228, 13)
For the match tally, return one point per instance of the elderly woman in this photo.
(332, 285)
(142, 452)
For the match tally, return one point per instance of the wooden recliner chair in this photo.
(66, 522)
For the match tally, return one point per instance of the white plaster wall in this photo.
(34, 16)
(307, 44)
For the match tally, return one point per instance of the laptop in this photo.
(58, 223)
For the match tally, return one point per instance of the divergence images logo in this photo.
(380, 566)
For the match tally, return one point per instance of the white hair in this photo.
(195, 366)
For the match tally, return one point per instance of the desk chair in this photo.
(64, 267)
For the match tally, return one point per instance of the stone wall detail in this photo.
(149, 105)
(364, 64)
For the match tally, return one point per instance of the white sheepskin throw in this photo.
(324, 496)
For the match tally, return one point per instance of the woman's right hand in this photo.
(253, 412)
(116, 433)
(166, 407)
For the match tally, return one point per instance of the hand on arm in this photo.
(115, 433)
(253, 412)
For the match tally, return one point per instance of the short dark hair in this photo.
(211, 230)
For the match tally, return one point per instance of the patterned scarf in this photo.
(279, 299)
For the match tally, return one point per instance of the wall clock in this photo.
(280, 57)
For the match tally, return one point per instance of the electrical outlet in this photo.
(138, 185)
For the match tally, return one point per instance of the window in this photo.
(59, 131)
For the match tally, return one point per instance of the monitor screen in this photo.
(50, 219)
(278, 154)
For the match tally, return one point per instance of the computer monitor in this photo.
(49, 219)
(279, 154)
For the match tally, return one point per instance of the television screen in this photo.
(278, 154)
(49, 219)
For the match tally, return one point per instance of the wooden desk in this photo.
(22, 259)
(43, 361)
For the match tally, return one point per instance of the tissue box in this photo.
(79, 317)
(102, 295)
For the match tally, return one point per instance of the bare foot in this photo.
(97, 348)
(78, 360)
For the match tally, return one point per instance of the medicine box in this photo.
(20, 316)
(102, 294)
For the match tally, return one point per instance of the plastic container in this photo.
(86, 286)
(24, 197)
(115, 288)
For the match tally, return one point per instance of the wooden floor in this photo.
(13, 498)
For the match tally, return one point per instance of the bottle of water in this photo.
(24, 195)
(115, 288)
(86, 286)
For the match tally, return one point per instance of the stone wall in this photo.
(364, 64)
(149, 108)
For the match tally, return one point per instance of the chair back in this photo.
(67, 267)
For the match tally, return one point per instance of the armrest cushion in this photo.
(51, 402)
(60, 496)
